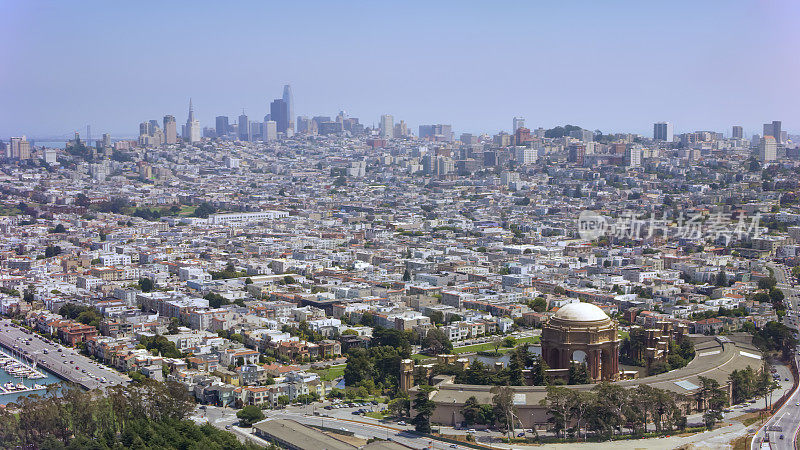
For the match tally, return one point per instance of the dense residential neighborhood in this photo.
(390, 226)
(254, 283)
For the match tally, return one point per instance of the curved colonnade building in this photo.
(583, 327)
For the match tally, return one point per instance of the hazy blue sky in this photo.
(612, 65)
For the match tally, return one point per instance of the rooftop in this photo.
(299, 436)
(580, 312)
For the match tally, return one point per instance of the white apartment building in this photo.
(114, 259)
(247, 217)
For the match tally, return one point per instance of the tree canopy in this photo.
(145, 415)
(560, 131)
(249, 415)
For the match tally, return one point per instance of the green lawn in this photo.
(186, 210)
(375, 415)
(330, 374)
(488, 346)
(9, 211)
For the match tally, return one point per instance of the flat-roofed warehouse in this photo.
(292, 435)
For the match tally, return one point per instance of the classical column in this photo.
(597, 369)
(599, 362)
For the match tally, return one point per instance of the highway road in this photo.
(786, 421)
(785, 282)
(782, 427)
(63, 361)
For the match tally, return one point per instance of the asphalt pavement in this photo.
(782, 428)
(65, 362)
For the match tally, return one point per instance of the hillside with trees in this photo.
(141, 416)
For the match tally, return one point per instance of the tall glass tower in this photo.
(289, 100)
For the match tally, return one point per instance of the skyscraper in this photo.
(270, 130)
(767, 148)
(662, 131)
(256, 130)
(150, 134)
(437, 132)
(773, 129)
(387, 126)
(222, 126)
(279, 112)
(170, 130)
(737, 132)
(244, 127)
(401, 129)
(192, 131)
(289, 100)
(20, 148)
(303, 124)
(519, 122)
(522, 136)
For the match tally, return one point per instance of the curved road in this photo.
(786, 421)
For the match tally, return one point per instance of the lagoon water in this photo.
(4, 378)
(490, 360)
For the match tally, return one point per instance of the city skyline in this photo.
(473, 223)
(747, 131)
(694, 71)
